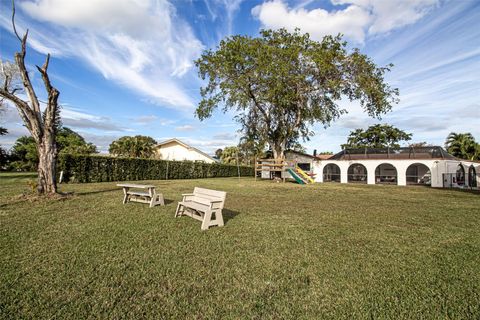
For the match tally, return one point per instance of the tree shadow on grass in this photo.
(98, 191)
(472, 191)
(229, 215)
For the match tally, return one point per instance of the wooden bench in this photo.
(151, 196)
(203, 204)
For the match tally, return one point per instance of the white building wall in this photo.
(371, 165)
(176, 151)
(437, 169)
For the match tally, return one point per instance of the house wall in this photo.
(437, 169)
(293, 158)
(176, 151)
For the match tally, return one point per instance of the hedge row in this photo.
(77, 168)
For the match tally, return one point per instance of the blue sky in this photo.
(125, 67)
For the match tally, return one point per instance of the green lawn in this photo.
(286, 251)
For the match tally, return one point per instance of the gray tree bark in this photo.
(42, 125)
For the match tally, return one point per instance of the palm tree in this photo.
(229, 155)
(462, 145)
(134, 147)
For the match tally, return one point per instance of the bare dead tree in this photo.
(42, 125)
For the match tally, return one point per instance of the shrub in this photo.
(92, 168)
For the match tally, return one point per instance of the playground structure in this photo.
(274, 169)
(270, 169)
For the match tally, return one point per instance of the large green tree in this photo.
(24, 153)
(282, 83)
(133, 147)
(69, 141)
(463, 145)
(376, 136)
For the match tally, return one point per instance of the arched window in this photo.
(418, 173)
(460, 175)
(472, 177)
(331, 172)
(357, 173)
(386, 174)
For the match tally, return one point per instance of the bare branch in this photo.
(43, 71)
(5, 84)
(27, 84)
(27, 114)
(13, 21)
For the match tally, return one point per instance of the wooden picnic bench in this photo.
(151, 196)
(203, 204)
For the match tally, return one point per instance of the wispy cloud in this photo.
(142, 45)
(77, 118)
(185, 128)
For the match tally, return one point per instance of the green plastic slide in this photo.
(295, 176)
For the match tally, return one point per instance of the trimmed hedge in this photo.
(87, 168)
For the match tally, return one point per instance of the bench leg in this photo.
(178, 213)
(161, 200)
(219, 218)
(207, 217)
(125, 195)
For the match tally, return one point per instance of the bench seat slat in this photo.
(138, 193)
(195, 205)
(133, 185)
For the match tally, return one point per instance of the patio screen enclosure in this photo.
(472, 177)
(357, 173)
(460, 175)
(418, 173)
(331, 173)
(386, 174)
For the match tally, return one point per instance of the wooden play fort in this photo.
(279, 170)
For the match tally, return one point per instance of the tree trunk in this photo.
(278, 151)
(47, 156)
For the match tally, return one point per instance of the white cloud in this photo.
(185, 128)
(391, 14)
(142, 45)
(357, 20)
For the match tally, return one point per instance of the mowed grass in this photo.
(323, 251)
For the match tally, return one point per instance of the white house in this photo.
(404, 166)
(174, 149)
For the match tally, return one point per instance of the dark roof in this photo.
(393, 153)
(300, 153)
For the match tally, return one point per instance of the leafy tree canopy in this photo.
(24, 153)
(376, 136)
(419, 144)
(281, 83)
(230, 155)
(218, 153)
(463, 145)
(3, 153)
(133, 147)
(68, 141)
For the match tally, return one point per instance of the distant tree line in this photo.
(23, 156)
